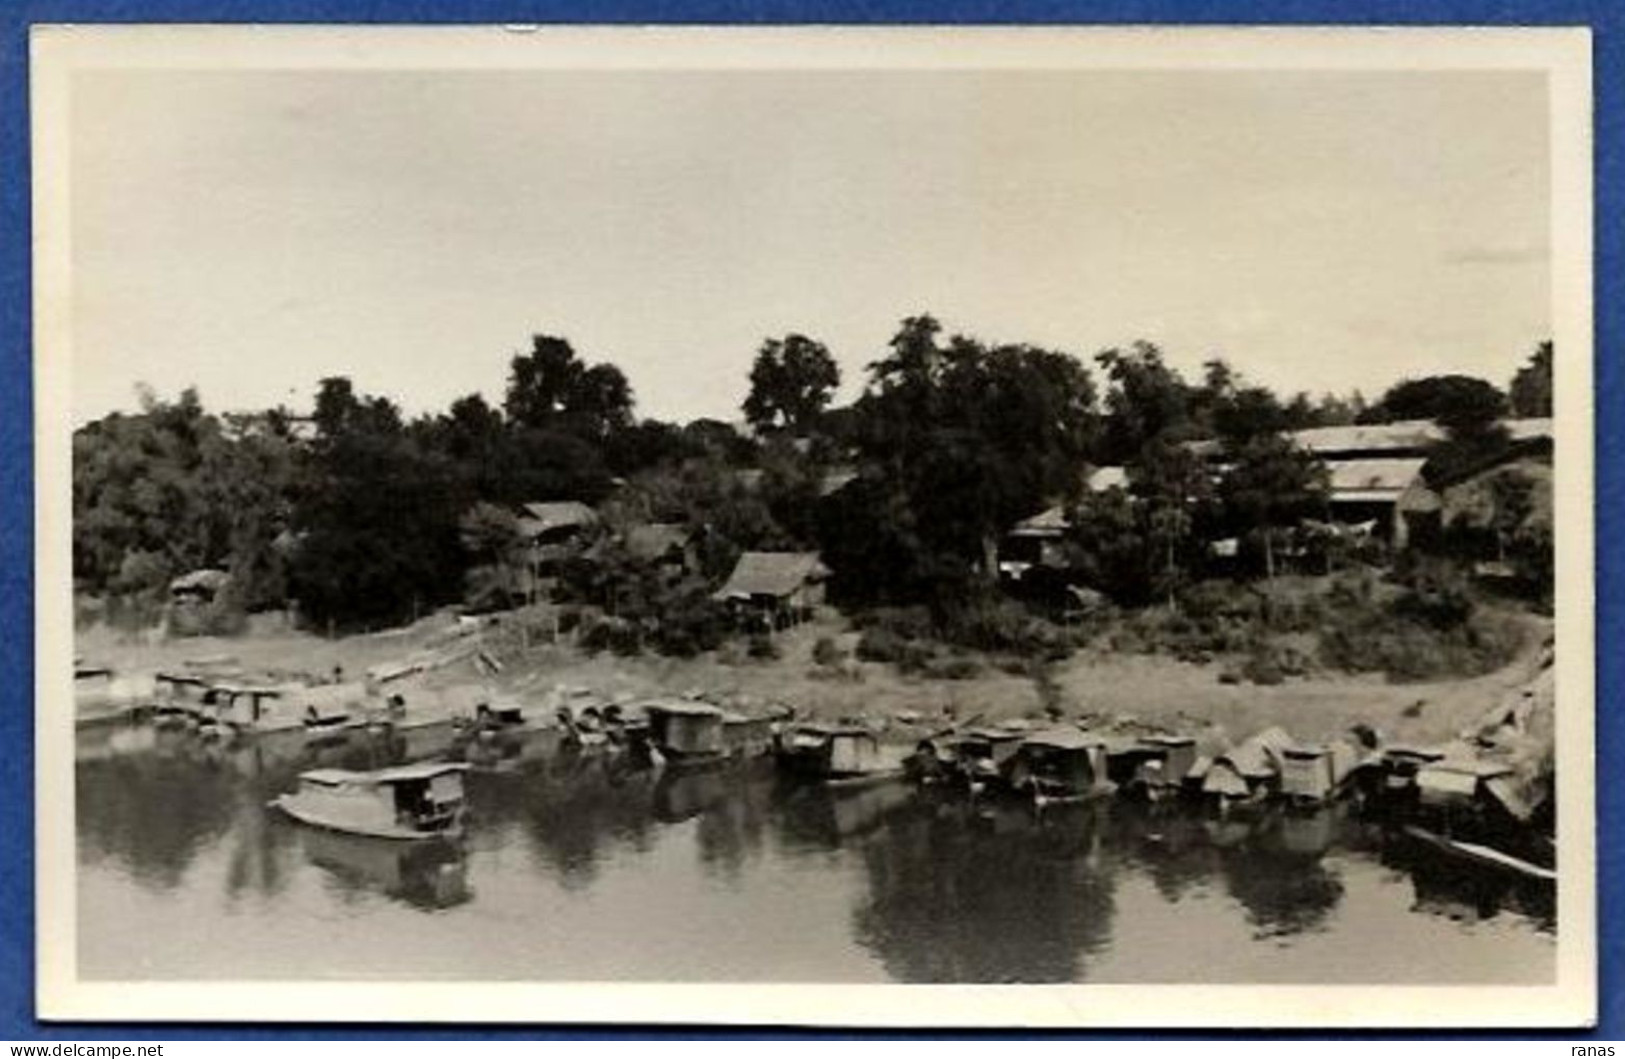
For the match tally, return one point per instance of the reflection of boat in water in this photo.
(406, 802)
(423, 874)
(680, 795)
(840, 755)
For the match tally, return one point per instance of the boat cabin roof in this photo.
(258, 691)
(990, 735)
(833, 728)
(683, 708)
(414, 773)
(180, 678)
(1064, 737)
(1424, 753)
(1472, 767)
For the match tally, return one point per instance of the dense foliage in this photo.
(360, 517)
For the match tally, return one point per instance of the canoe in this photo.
(1480, 854)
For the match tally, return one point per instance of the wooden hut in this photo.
(775, 588)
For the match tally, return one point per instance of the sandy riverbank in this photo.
(1093, 682)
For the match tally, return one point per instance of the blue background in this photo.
(17, 938)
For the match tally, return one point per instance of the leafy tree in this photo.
(961, 440)
(1455, 402)
(174, 488)
(1146, 398)
(377, 516)
(1531, 391)
(791, 383)
(1269, 483)
(551, 389)
(714, 439)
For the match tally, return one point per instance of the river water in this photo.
(577, 868)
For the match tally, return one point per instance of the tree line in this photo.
(363, 515)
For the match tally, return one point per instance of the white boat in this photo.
(410, 802)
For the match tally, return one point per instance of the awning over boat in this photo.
(414, 773)
(1064, 737)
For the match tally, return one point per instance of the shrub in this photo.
(826, 653)
(611, 634)
(1262, 668)
(762, 647)
(957, 669)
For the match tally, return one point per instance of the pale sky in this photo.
(250, 232)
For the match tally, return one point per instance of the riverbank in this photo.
(1095, 682)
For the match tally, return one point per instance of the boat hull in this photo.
(313, 816)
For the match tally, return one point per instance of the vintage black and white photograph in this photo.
(536, 512)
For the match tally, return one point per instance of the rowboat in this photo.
(410, 802)
(1480, 854)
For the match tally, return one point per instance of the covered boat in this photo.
(1061, 764)
(179, 698)
(410, 802)
(839, 754)
(982, 756)
(1164, 764)
(687, 732)
(1250, 770)
(1312, 774)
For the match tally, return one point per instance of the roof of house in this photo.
(1048, 523)
(1103, 478)
(834, 481)
(208, 580)
(1373, 479)
(771, 574)
(1370, 437)
(557, 514)
(652, 540)
(1052, 521)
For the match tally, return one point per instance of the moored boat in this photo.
(408, 802)
(981, 756)
(687, 733)
(1061, 764)
(840, 755)
(1486, 856)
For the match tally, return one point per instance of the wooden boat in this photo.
(687, 733)
(1480, 854)
(409, 802)
(1061, 764)
(1162, 763)
(179, 700)
(981, 756)
(1248, 772)
(840, 755)
(1313, 774)
(1400, 764)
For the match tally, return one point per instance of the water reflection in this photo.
(1279, 875)
(426, 875)
(916, 886)
(960, 893)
